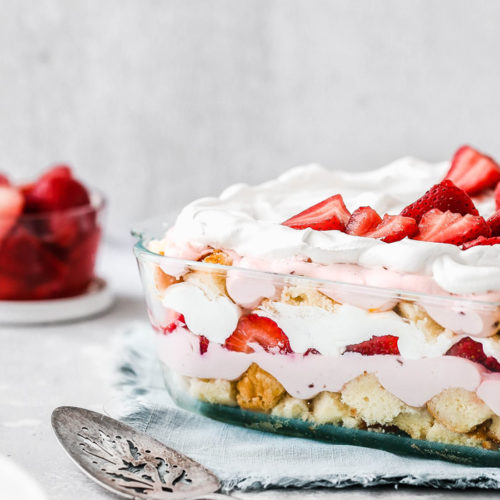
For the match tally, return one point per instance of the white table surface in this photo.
(71, 364)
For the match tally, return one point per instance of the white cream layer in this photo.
(310, 327)
(246, 220)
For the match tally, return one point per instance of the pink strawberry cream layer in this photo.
(413, 381)
(246, 221)
(458, 315)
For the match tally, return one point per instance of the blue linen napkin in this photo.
(248, 459)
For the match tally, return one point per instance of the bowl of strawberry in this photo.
(50, 231)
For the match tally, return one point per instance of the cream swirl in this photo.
(246, 220)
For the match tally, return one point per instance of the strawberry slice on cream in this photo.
(473, 171)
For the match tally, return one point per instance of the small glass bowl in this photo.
(50, 255)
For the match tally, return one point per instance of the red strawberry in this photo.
(443, 196)
(324, 216)
(56, 193)
(494, 223)
(80, 259)
(11, 207)
(472, 171)
(254, 329)
(174, 320)
(58, 171)
(25, 258)
(451, 228)
(394, 228)
(481, 241)
(26, 190)
(4, 180)
(203, 344)
(468, 349)
(492, 364)
(362, 221)
(312, 352)
(63, 229)
(386, 344)
(473, 351)
(497, 196)
(13, 288)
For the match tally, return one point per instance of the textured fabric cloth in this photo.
(248, 459)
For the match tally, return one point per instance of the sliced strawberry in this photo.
(386, 344)
(497, 196)
(473, 351)
(56, 193)
(63, 229)
(481, 241)
(203, 344)
(4, 180)
(468, 349)
(311, 352)
(492, 364)
(451, 228)
(11, 207)
(394, 228)
(472, 171)
(362, 221)
(254, 329)
(13, 288)
(494, 223)
(26, 190)
(80, 259)
(58, 171)
(174, 320)
(51, 288)
(443, 196)
(326, 215)
(23, 257)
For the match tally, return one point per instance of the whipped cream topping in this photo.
(246, 220)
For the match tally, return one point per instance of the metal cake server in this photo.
(128, 462)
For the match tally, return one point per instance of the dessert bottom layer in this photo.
(454, 416)
(187, 393)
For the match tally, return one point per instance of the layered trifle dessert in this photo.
(366, 300)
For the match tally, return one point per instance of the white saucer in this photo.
(97, 299)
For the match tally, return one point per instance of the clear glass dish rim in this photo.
(98, 202)
(142, 252)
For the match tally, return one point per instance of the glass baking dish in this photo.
(406, 372)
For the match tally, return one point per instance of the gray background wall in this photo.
(161, 101)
